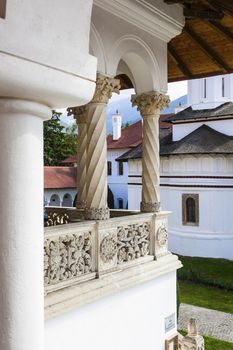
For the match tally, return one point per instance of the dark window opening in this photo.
(205, 88)
(120, 168)
(2, 8)
(109, 168)
(190, 210)
(223, 87)
(120, 203)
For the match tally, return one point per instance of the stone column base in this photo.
(150, 207)
(97, 213)
(81, 204)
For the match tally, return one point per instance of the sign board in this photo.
(170, 322)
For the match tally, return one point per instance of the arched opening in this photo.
(67, 200)
(54, 201)
(190, 210)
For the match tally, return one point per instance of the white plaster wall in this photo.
(181, 130)
(134, 184)
(35, 37)
(117, 183)
(60, 193)
(130, 319)
(49, 30)
(118, 32)
(213, 91)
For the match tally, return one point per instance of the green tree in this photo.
(59, 142)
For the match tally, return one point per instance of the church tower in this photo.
(207, 93)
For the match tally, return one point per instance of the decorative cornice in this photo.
(61, 301)
(105, 86)
(145, 16)
(150, 103)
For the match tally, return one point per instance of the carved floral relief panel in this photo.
(133, 241)
(67, 257)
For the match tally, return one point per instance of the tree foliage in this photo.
(59, 142)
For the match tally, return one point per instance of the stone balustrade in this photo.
(92, 251)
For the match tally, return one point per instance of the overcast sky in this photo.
(175, 90)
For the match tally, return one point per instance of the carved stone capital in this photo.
(150, 207)
(79, 113)
(150, 103)
(105, 86)
(97, 213)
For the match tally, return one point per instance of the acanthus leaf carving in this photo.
(150, 103)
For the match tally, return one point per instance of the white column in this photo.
(80, 114)
(150, 105)
(96, 186)
(21, 218)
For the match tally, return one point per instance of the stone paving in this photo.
(214, 323)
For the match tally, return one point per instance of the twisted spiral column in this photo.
(80, 114)
(96, 164)
(150, 104)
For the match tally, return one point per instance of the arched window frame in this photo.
(185, 200)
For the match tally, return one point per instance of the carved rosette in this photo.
(80, 114)
(162, 235)
(108, 248)
(133, 241)
(150, 104)
(96, 214)
(150, 207)
(67, 257)
(96, 188)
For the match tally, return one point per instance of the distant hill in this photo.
(131, 115)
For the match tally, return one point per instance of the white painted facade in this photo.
(210, 92)
(126, 320)
(118, 183)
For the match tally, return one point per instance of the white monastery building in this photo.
(196, 171)
(60, 186)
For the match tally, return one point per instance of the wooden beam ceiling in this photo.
(207, 49)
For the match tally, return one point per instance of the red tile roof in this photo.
(132, 135)
(60, 177)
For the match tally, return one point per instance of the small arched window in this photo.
(190, 209)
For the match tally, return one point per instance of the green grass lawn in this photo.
(204, 296)
(218, 272)
(207, 283)
(215, 344)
